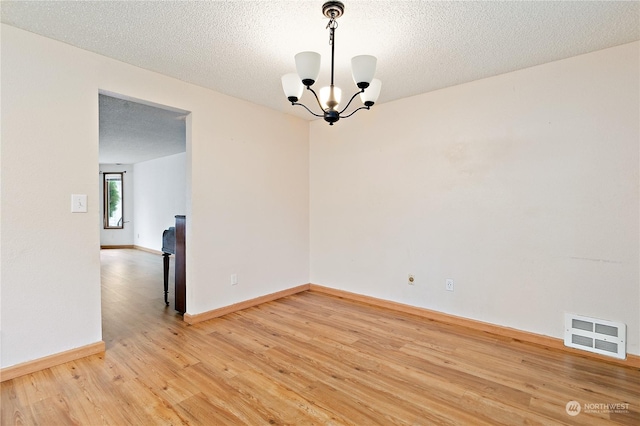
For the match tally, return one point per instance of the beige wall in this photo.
(247, 198)
(523, 188)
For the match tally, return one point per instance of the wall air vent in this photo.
(595, 335)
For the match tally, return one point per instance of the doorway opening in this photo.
(144, 162)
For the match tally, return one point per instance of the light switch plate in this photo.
(78, 203)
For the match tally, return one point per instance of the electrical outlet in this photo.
(449, 284)
(412, 279)
(234, 279)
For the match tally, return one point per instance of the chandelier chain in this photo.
(332, 25)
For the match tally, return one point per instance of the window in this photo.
(113, 201)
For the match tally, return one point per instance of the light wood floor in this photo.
(302, 360)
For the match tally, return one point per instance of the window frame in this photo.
(106, 179)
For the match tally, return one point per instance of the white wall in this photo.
(523, 188)
(124, 236)
(247, 199)
(160, 190)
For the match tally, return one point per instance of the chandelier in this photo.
(363, 68)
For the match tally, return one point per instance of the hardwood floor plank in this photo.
(13, 411)
(285, 405)
(347, 411)
(349, 373)
(308, 358)
(199, 410)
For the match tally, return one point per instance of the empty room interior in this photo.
(371, 212)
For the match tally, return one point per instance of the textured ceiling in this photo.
(241, 48)
(132, 132)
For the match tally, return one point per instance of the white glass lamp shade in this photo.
(292, 86)
(308, 67)
(330, 97)
(363, 68)
(371, 93)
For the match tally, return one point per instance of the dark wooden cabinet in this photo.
(180, 275)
